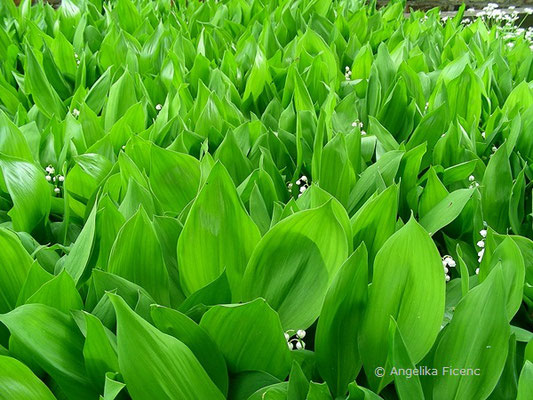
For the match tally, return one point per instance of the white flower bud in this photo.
(483, 232)
(57, 190)
(363, 133)
(304, 178)
(477, 271)
(481, 243)
(300, 333)
(446, 270)
(159, 107)
(480, 255)
(287, 337)
(471, 178)
(302, 189)
(451, 263)
(447, 278)
(48, 178)
(298, 182)
(346, 68)
(290, 345)
(298, 346)
(61, 178)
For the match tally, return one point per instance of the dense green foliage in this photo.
(254, 199)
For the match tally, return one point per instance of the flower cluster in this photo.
(347, 73)
(448, 262)
(295, 339)
(302, 183)
(75, 113)
(481, 245)
(54, 178)
(360, 125)
(77, 57)
(473, 182)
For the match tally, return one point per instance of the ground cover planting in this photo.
(252, 199)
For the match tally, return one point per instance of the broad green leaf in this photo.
(29, 192)
(244, 384)
(174, 178)
(336, 349)
(294, 262)
(121, 97)
(446, 210)
(44, 95)
(19, 383)
(99, 350)
(434, 192)
(15, 265)
(512, 263)
(234, 329)
(59, 292)
(375, 221)
(464, 343)
(298, 384)
(12, 141)
(408, 387)
(55, 344)
(216, 217)
(409, 285)
(77, 261)
(337, 175)
(496, 191)
(525, 384)
(180, 326)
(155, 364)
(137, 256)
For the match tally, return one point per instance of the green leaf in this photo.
(29, 192)
(408, 387)
(337, 354)
(156, 365)
(496, 191)
(512, 263)
(43, 93)
(77, 261)
(180, 326)
(55, 344)
(121, 97)
(112, 387)
(19, 383)
(99, 350)
(375, 221)
(464, 344)
(244, 384)
(298, 384)
(294, 262)
(216, 217)
(59, 292)
(446, 210)
(15, 265)
(137, 256)
(525, 384)
(235, 327)
(174, 178)
(408, 285)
